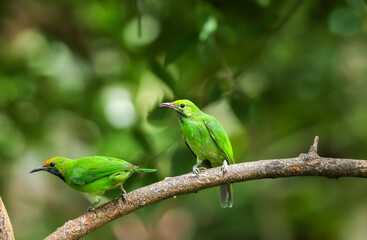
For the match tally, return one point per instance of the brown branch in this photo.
(309, 164)
(6, 230)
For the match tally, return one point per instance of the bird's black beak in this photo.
(41, 168)
(50, 170)
(167, 105)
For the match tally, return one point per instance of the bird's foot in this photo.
(122, 190)
(225, 167)
(124, 198)
(123, 195)
(90, 208)
(196, 170)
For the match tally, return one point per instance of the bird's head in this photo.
(54, 166)
(184, 108)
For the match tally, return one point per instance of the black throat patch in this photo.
(56, 173)
(180, 113)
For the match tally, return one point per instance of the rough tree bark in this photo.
(6, 230)
(309, 164)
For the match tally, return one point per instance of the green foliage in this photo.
(76, 80)
(264, 3)
(344, 21)
(178, 48)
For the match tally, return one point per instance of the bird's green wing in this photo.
(219, 136)
(89, 169)
(188, 145)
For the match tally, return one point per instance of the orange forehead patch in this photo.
(48, 161)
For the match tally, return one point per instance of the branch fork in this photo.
(312, 153)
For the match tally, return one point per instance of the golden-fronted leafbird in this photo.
(94, 174)
(206, 139)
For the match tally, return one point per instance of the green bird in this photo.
(206, 139)
(94, 174)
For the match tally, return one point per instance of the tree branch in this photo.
(309, 164)
(6, 230)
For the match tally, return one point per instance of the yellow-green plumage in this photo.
(206, 139)
(94, 174)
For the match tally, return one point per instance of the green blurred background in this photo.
(81, 78)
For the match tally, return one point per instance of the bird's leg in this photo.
(123, 195)
(224, 166)
(91, 207)
(195, 168)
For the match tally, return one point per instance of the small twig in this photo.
(313, 148)
(312, 153)
(190, 183)
(138, 13)
(6, 229)
(227, 69)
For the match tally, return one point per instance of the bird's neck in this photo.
(188, 119)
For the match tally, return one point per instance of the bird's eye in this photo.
(182, 105)
(52, 164)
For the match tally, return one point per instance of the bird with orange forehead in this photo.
(94, 174)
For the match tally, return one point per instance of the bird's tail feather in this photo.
(225, 195)
(143, 170)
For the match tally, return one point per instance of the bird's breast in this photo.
(199, 140)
